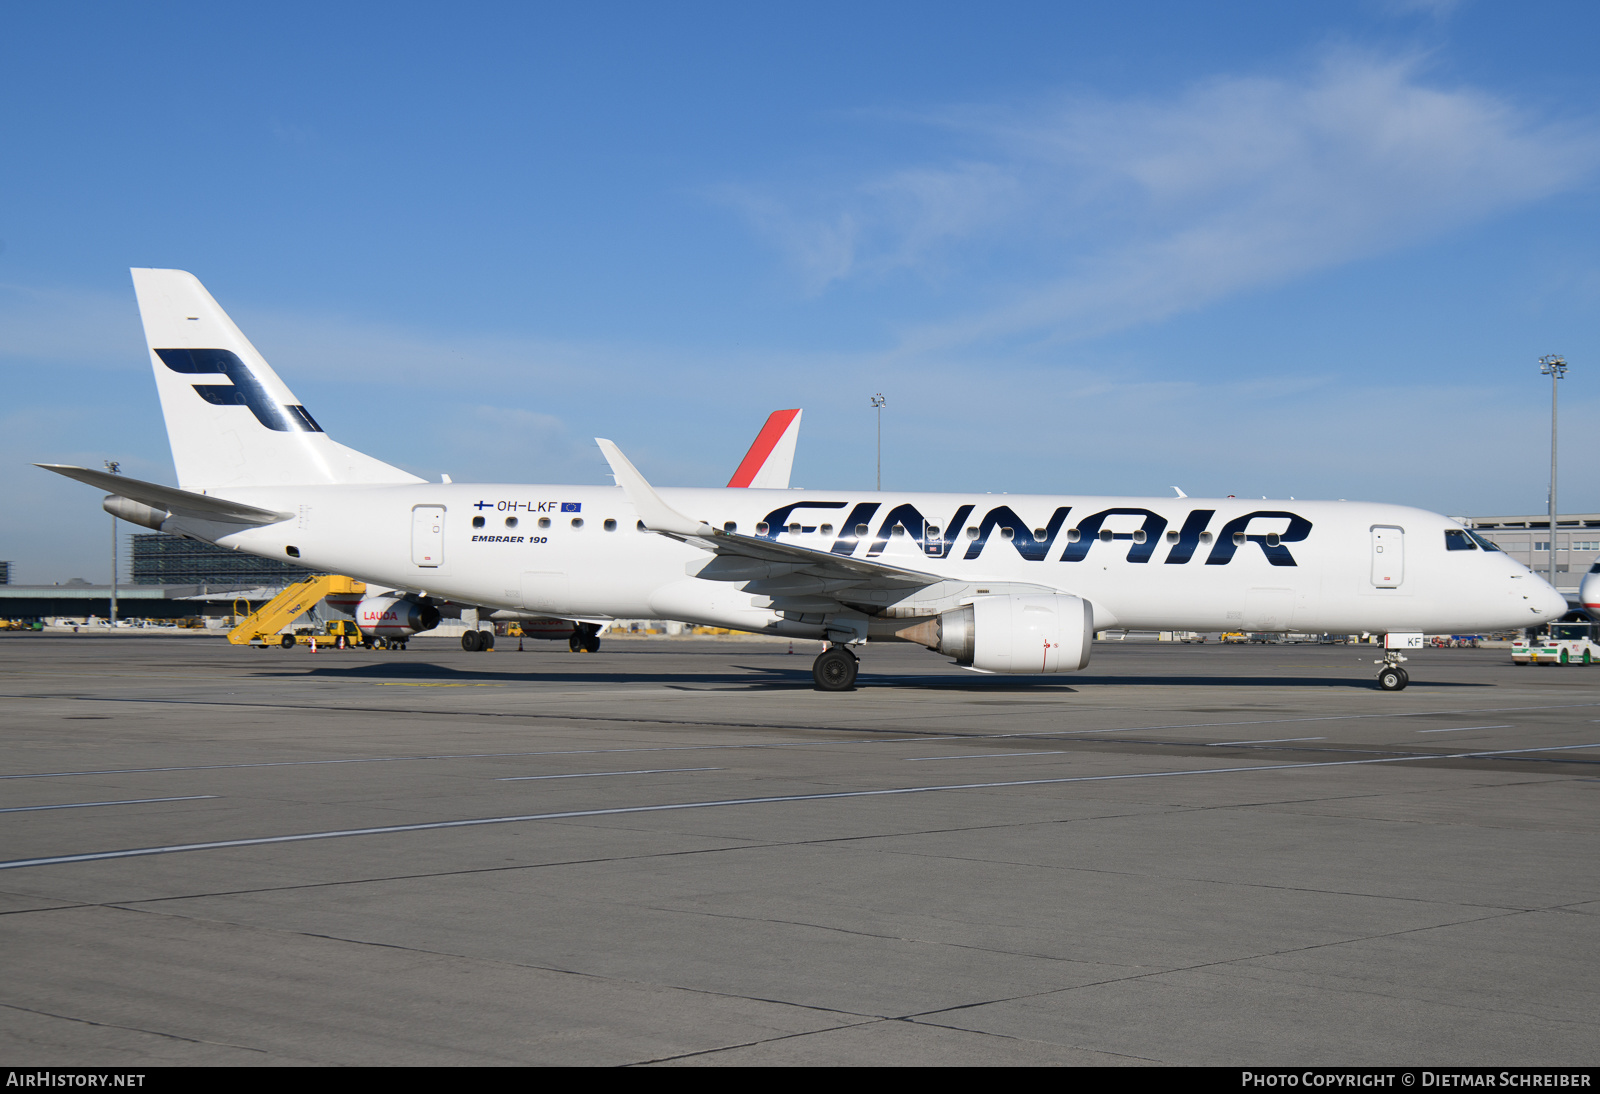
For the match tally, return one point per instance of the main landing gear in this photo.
(585, 638)
(476, 641)
(835, 669)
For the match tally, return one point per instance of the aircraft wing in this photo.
(183, 503)
(752, 558)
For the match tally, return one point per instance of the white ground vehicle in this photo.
(1562, 644)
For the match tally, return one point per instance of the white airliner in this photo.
(1009, 583)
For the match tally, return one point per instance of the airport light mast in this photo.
(115, 467)
(878, 404)
(1554, 366)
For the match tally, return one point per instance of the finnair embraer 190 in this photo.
(1007, 584)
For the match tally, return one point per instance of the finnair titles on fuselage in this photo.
(1003, 583)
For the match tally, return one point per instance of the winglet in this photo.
(656, 514)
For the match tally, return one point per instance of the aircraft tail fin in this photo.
(230, 420)
(771, 457)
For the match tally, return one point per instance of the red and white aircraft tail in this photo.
(770, 459)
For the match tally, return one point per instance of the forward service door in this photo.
(1388, 556)
(427, 535)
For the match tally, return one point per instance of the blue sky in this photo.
(1308, 249)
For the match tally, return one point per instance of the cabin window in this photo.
(1139, 536)
(972, 533)
(763, 528)
(511, 522)
(610, 525)
(1007, 533)
(1272, 539)
(639, 524)
(292, 552)
(898, 530)
(826, 529)
(544, 522)
(1205, 537)
(1038, 535)
(1172, 537)
(1105, 535)
(1073, 535)
(730, 527)
(477, 522)
(1238, 539)
(577, 522)
(863, 530)
(794, 528)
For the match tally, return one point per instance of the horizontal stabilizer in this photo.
(182, 503)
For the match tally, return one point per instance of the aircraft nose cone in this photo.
(1589, 593)
(1551, 604)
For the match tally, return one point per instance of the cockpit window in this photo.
(1487, 545)
(1455, 539)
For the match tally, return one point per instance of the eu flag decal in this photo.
(572, 507)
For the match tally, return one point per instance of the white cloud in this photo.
(1106, 214)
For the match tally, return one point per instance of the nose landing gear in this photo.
(835, 669)
(1391, 677)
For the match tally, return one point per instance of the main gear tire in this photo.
(834, 670)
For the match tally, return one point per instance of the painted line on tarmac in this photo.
(575, 814)
(1463, 729)
(1308, 718)
(86, 805)
(984, 756)
(1272, 741)
(598, 774)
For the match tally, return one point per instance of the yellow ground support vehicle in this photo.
(328, 637)
(261, 627)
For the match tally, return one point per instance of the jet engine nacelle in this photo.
(395, 616)
(1014, 633)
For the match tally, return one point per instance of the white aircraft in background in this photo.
(1589, 592)
(1010, 584)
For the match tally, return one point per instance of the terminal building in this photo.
(160, 559)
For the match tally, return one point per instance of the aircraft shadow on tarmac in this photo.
(769, 678)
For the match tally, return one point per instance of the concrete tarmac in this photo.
(676, 852)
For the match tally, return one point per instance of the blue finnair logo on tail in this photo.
(245, 390)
